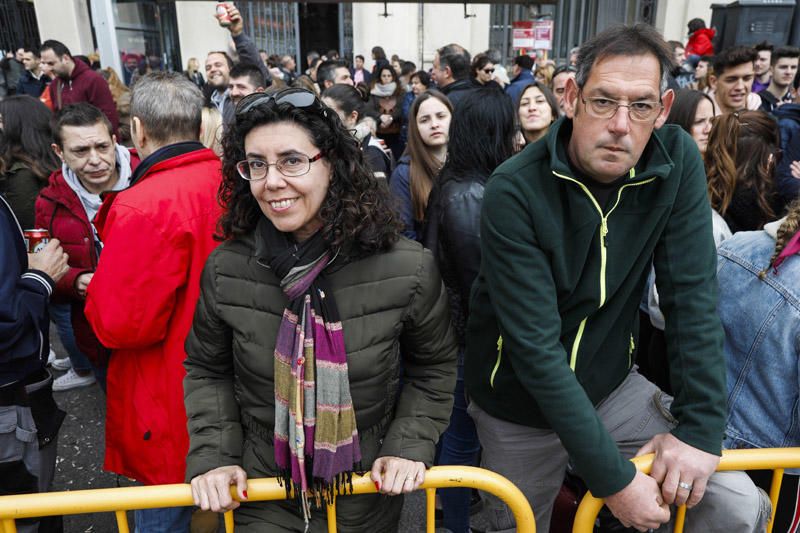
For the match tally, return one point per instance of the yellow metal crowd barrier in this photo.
(120, 500)
(775, 459)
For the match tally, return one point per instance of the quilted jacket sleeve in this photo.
(215, 433)
(429, 363)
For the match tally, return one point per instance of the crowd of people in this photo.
(544, 271)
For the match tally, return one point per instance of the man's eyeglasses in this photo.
(640, 111)
(294, 96)
(488, 71)
(290, 166)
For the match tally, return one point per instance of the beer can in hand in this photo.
(36, 239)
(222, 14)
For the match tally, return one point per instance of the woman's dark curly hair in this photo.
(356, 213)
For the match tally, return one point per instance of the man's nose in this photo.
(620, 122)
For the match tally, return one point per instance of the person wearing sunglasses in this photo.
(482, 72)
(309, 310)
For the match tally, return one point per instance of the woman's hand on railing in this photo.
(212, 490)
(395, 475)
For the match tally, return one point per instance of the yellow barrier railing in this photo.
(775, 459)
(120, 500)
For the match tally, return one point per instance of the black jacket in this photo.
(458, 90)
(24, 293)
(452, 233)
(31, 86)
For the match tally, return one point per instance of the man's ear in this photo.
(667, 99)
(449, 71)
(57, 149)
(712, 82)
(570, 97)
(137, 133)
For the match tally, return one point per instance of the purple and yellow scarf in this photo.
(316, 439)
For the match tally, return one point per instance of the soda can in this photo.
(36, 239)
(222, 14)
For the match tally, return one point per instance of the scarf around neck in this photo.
(316, 439)
(384, 90)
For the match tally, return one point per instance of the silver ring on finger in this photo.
(685, 486)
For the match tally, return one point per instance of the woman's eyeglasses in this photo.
(294, 96)
(488, 71)
(291, 166)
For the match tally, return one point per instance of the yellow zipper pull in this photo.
(604, 228)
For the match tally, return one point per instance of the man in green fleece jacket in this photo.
(569, 229)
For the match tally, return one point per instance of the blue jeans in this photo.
(61, 314)
(459, 446)
(164, 520)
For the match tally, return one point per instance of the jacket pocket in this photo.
(15, 433)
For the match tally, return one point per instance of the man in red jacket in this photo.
(93, 163)
(76, 82)
(157, 235)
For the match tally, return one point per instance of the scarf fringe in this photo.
(321, 492)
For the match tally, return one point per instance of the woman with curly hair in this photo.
(759, 291)
(26, 159)
(742, 154)
(307, 314)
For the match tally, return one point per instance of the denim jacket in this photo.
(762, 341)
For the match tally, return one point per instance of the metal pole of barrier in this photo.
(330, 510)
(179, 495)
(774, 494)
(122, 521)
(229, 522)
(751, 459)
(430, 510)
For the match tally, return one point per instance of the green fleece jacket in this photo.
(553, 312)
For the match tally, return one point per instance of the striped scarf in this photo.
(316, 439)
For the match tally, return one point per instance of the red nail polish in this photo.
(377, 485)
(244, 492)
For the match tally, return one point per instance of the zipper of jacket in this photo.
(573, 360)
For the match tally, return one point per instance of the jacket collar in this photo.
(80, 68)
(163, 154)
(654, 161)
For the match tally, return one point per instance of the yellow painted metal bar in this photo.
(122, 521)
(118, 500)
(9, 526)
(330, 510)
(774, 494)
(229, 522)
(430, 510)
(752, 459)
(680, 519)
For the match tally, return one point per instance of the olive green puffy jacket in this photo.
(394, 315)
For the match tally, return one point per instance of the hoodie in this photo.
(700, 43)
(84, 85)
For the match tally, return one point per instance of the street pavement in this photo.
(80, 459)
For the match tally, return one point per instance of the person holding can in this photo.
(29, 418)
(312, 242)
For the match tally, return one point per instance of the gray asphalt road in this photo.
(80, 459)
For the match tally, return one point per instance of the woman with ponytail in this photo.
(742, 154)
(759, 305)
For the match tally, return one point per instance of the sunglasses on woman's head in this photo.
(294, 96)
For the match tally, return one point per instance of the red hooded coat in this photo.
(84, 85)
(700, 43)
(157, 234)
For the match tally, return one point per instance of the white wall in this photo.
(66, 21)
(400, 33)
(198, 31)
(673, 15)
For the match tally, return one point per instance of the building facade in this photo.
(166, 34)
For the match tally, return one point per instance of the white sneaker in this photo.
(61, 364)
(52, 356)
(71, 380)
